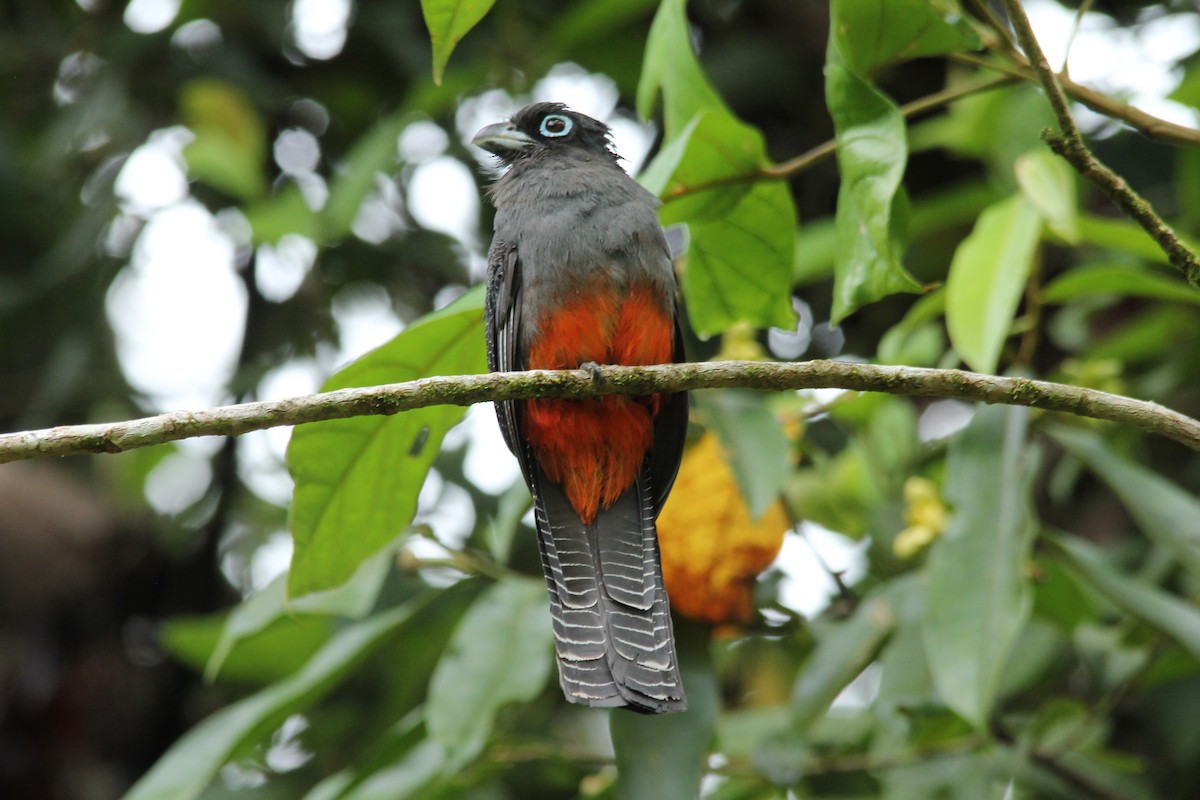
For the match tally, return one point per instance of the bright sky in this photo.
(177, 308)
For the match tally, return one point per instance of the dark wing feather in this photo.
(670, 433)
(503, 315)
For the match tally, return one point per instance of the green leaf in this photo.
(1048, 182)
(876, 32)
(742, 234)
(987, 277)
(357, 479)
(1177, 618)
(871, 154)
(846, 648)
(670, 66)
(499, 654)
(270, 654)
(448, 22)
(664, 756)
(193, 761)
(1164, 512)
(753, 441)
(411, 776)
(230, 144)
(353, 599)
(1122, 280)
(978, 599)
(739, 267)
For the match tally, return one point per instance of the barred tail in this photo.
(612, 621)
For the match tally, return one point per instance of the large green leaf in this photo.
(1177, 618)
(871, 145)
(448, 22)
(499, 654)
(987, 276)
(664, 756)
(871, 154)
(1167, 514)
(877, 32)
(357, 479)
(742, 231)
(670, 67)
(193, 761)
(978, 598)
(739, 267)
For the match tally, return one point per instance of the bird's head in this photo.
(542, 129)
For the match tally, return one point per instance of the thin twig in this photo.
(1070, 146)
(116, 437)
(810, 158)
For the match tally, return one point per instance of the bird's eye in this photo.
(555, 125)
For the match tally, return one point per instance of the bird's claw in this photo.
(593, 370)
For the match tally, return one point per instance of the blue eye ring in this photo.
(555, 125)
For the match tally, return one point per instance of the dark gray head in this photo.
(543, 129)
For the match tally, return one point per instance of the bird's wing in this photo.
(670, 432)
(503, 315)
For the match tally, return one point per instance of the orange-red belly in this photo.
(595, 448)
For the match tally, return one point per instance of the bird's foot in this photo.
(593, 370)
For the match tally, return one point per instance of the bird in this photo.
(580, 275)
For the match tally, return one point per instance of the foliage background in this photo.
(1045, 643)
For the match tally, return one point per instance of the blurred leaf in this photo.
(271, 653)
(1122, 280)
(499, 654)
(513, 504)
(285, 212)
(664, 756)
(353, 599)
(1164, 512)
(373, 153)
(978, 598)
(230, 144)
(871, 154)
(448, 22)
(752, 440)
(845, 648)
(1175, 617)
(411, 776)
(1124, 236)
(194, 759)
(357, 479)
(876, 32)
(1048, 182)
(986, 279)
(909, 340)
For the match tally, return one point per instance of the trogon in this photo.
(579, 274)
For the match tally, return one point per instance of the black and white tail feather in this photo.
(612, 621)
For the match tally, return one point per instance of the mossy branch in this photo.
(117, 437)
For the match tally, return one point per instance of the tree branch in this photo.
(117, 437)
(1070, 146)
